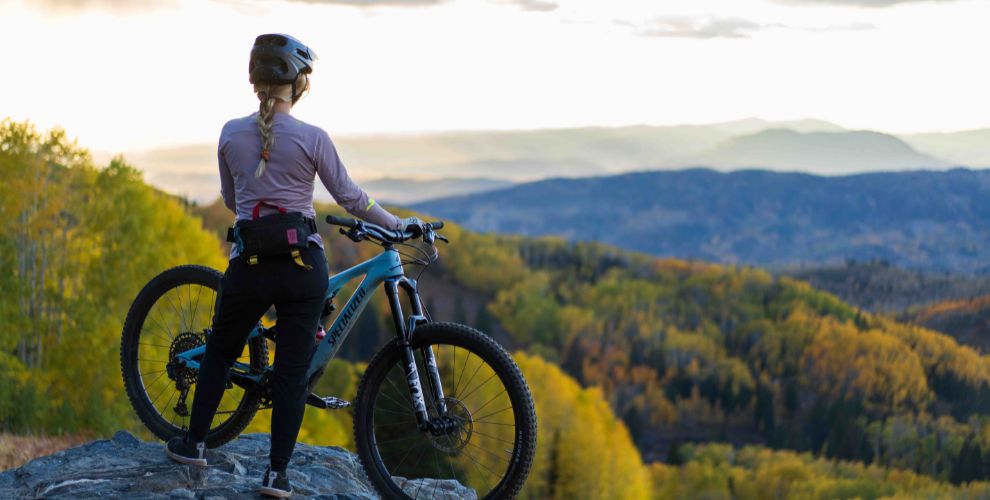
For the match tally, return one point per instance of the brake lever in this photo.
(443, 238)
(354, 234)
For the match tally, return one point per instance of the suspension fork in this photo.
(404, 331)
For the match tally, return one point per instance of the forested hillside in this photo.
(77, 243)
(967, 319)
(876, 285)
(698, 352)
(632, 359)
(934, 221)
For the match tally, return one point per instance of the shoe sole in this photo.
(201, 462)
(272, 492)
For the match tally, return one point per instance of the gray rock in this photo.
(124, 466)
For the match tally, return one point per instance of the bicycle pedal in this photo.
(327, 403)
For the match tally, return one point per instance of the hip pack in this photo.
(283, 233)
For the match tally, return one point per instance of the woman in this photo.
(268, 161)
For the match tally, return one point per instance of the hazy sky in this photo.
(125, 75)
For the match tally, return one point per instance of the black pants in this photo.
(246, 292)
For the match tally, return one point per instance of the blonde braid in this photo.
(266, 117)
(266, 112)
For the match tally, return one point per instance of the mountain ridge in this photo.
(919, 219)
(527, 155)
(824, 152)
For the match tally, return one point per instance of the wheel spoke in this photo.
(192, 313)
(453, 367)
(178, 311)
(147, 386)
(408, 452)
(478, 409)
(494, 413)
(164, 323)
(420, 457)
(457, 384)
(401, 404)
(407, 438)
(489, 422)
(494, 437)
(477, 463)
(496, 455)
(167, 337)
(479, 387)
(395, 422)
(404, 414)
(468, 384)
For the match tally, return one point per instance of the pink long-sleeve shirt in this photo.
(300, 153)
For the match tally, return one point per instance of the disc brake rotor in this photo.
(460, 431)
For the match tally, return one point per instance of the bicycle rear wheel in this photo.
(488, 451)
(174, 313)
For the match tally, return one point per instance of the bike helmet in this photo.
(278, 59)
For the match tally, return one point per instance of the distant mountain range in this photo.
(405, 191)
(970, 147)
(927, 220)
(813, 146)
(821, 152)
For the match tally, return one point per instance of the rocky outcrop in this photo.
(125, 466)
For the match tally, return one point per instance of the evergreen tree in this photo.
(459, 315)
(483, 320)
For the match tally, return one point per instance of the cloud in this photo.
(843, 27)
(116, 6)
(535, 5)
(709, 27)
(376, 3)
(698, 27)
(857, 3)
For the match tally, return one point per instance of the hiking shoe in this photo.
(275, 484)
(182, 451)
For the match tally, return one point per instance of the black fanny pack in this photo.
(283, 233)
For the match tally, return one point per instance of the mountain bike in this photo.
(468, 432)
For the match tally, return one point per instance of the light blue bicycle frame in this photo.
(385, 268)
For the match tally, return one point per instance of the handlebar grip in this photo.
(342, 221)
(435, 225)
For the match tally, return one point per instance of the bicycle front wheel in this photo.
(488, 448)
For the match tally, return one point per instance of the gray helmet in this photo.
(278, 59)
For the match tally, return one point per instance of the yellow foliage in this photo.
(584, 451)
(872, 365)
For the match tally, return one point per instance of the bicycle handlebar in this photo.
(359, 229)
(342, 221)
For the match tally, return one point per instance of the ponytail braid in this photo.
(266, 117)
(268, 94)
